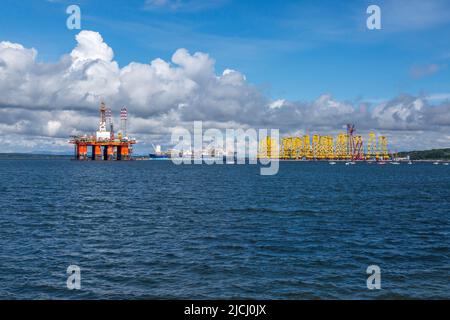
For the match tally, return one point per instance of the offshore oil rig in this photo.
(346, 146)
(104, 144)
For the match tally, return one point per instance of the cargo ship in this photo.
(158, 155)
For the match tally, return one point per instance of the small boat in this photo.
(395, 162)
(445, 164)
(410, 163)
(332, 163)
(436, 163)
(350, 163)
(381, 163)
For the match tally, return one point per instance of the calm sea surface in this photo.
(151, 229)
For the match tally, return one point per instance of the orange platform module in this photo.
(102, 150)
(104, 145)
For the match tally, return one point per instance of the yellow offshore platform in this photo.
(345, 146)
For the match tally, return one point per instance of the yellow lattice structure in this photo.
(268, 148)
(317, 147)
(322, 148)
(298, 148)
(341, 147)
(287, 148)
(322, 152)
(328, 146)
(307, 148)
(383, 153)
(372, 150)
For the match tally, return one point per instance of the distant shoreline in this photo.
(417, 156)
(36, 157)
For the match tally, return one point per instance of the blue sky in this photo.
(296, 50)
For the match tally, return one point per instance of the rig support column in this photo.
(109, 153)
(124, 153)
(81, 152)
(97, 152)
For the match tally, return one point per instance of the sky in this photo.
(295, 65)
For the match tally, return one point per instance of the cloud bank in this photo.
(42, 104)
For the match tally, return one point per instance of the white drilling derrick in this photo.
(102, 133)
(123, 122)
(109, 123)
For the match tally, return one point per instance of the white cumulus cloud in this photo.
(42, 104)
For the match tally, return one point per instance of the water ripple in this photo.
(142, 230)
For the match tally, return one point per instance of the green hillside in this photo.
(434, 154)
